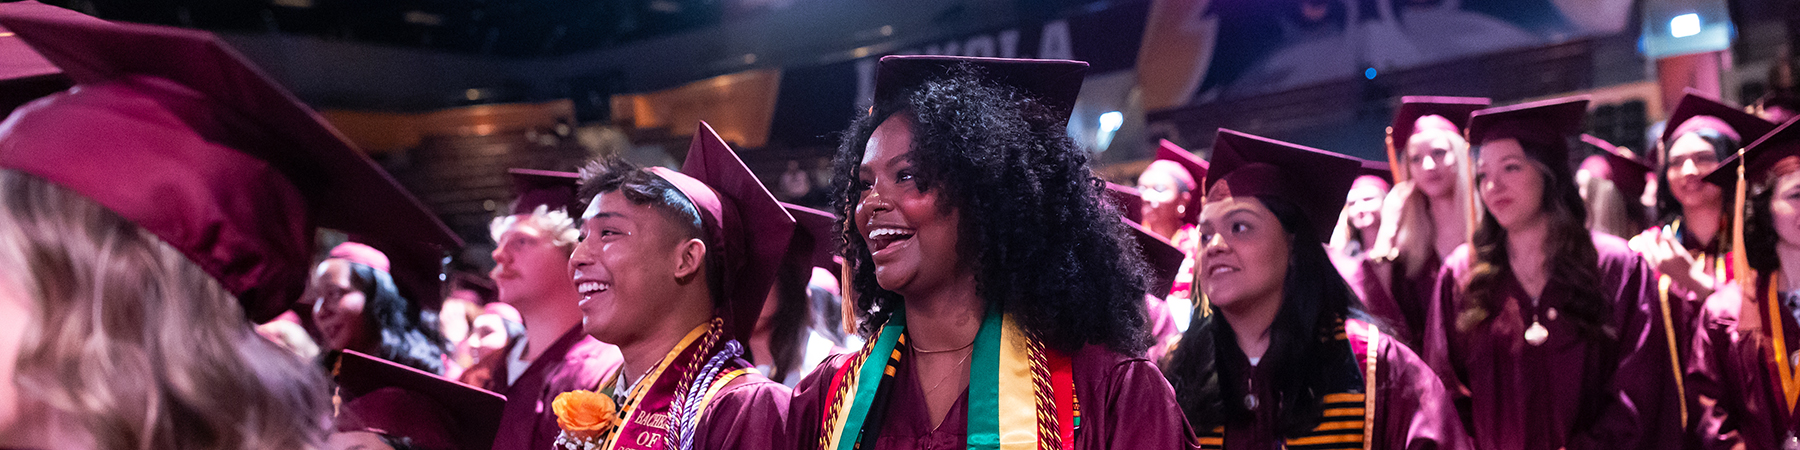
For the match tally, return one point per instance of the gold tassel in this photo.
(846, 293)
(1393, 154)
(1749, 312)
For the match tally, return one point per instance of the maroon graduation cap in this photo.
(1775, 154)
(813, 242)
(1125, 199)
(1447, 113)
(1377, 169)
(434, 412)
(1316, 181)
(1546, 124)
(1195, 169)
(545, 188)
(173, 130)
(748, 225)
(1696, 111)
(1163, 258)
(1053, 82)
(1627, 173)
(25, 75)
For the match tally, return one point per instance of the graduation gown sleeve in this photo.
(750, 413)
(1413, 409)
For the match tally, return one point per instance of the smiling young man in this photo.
(674, 267)
(531, 260)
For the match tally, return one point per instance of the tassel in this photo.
(1749, 312)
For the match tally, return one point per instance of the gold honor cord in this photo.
(1662, 288)
(1790, 387)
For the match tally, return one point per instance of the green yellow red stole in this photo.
(663, 410)
(1348, 416)
(1021, 395)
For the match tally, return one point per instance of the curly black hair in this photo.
(1573, 260)
(1033, 226)
(1314, 302)
(406, 333)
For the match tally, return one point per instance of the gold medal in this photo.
(1537, 334)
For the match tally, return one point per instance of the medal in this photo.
(1537, 334)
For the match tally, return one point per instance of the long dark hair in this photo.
(1760, 239)
(406, 333)
(1668, 209)
(791, 320)
(1314, 302)
(1033, 226)
(1574, 263)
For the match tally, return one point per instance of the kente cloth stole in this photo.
(1348, 419)
(663, 410)
(1021, 395)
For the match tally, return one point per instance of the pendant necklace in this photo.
(1537, 334)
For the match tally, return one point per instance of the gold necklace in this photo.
(959, 363)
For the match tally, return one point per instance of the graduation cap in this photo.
(1316, 181)
(1696, 112)
(1163, 258)
(1055, 83)
(1377, 169)
(434, 412)
(1193, 167)
(545, 188)
(1546, 125)
(1625, 172)
(176, 132)
(749, 227)
(1775, 154)
(1125, 199)
(813, 242)
(25, 75)
(1418, 112)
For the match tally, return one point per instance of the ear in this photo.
(690, 256)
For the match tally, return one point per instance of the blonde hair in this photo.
(135, 344)
(1606, 212)
(554, 223)
(1408, 230)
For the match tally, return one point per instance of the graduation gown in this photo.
(1731, 376)
(1412, 411)
(1125, 403)
(749, 413)
(1400, 303)
(574, 361)
(1567, 392)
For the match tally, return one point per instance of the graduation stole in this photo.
(663, 409)
(1021, 395)
(1771, 322)
(1348, 421)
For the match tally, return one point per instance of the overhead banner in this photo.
(1197, 51)
(816, 102)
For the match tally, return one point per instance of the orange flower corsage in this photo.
(585, 418)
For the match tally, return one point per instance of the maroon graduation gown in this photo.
(1731, 377)
(575, 361)
(1125, 404)
(1565, 393)
(1413, 411)
(1401, 303)
(750, 413)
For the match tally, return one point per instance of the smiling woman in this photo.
(1286, 356)
(982, 255)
